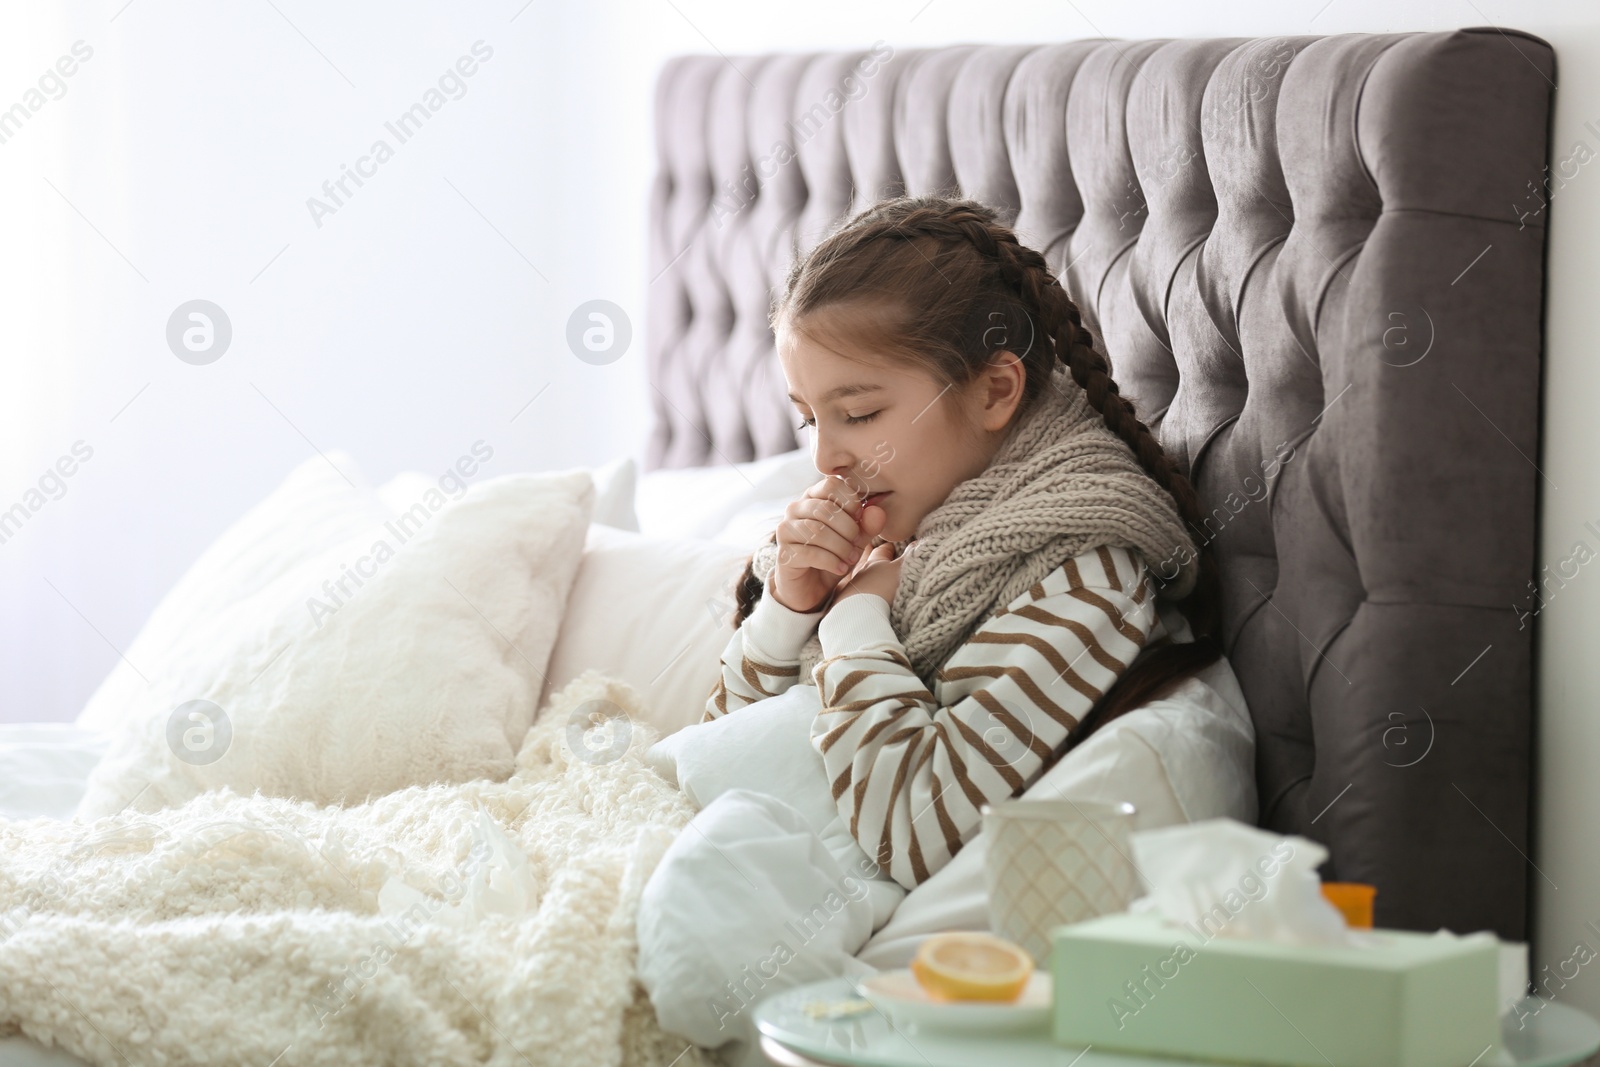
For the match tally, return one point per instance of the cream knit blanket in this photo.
(1062, 482)
(245, 929)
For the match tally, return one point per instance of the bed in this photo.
(1316, 267)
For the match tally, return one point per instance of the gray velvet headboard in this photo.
(1316, 265)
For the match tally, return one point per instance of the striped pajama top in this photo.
(911, 769)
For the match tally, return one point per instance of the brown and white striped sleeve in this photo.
(909, 770)
(762, 658)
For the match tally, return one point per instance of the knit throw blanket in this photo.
(1062, 482)
(262, 930)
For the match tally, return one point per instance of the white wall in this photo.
(408, 325)
(403, 328)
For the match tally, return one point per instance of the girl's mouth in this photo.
(875, 498)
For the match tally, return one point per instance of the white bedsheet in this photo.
(26, 1052)
(44, 767)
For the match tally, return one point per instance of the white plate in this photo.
(897, 995)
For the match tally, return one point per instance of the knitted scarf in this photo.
(1061, 483)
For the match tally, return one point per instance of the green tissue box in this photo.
(1137, 983)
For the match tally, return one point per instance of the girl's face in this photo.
(891, 429)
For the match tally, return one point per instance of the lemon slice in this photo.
(971, 966)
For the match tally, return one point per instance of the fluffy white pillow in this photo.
(1186, 757)
(735, 504)
(408, 652)
(319, 506)
(656, 612)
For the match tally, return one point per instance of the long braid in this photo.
(1061, 322)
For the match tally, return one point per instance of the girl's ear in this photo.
(1000, 389)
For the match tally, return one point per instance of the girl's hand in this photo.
(821, 537)
(880, 574)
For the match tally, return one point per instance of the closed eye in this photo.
(850, 419)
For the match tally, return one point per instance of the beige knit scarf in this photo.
(1061, 483)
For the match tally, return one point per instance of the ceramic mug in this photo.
(1049, 862)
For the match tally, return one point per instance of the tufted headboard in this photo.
(1316, 265)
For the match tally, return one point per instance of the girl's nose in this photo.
(832, 460)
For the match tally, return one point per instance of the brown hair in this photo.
(941, 284)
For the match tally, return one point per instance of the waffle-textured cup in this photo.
(1050, 862)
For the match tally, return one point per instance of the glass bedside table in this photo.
(1556, 1036)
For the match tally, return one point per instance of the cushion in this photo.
(1185, 757)
(615, 485)
(315, 508)
(400, 651)
(655, 611)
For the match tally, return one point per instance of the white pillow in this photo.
(321, 504)
(1186, 757)
(656, 612)
(735, 504)
(615, 486)
(406, 653)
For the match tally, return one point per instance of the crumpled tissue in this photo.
(495, 878)
(1224, 878)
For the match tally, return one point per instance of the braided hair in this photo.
(942, 284)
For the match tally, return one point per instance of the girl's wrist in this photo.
(772, 591)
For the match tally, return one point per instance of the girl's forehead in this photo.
(850, 329)
(819, 363)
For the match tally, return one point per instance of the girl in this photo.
(972, 585)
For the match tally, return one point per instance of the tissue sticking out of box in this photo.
(495, 878)
(1220, 877)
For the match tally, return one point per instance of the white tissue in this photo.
(1220, 877)
(495, 878)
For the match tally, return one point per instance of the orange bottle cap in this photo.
(1354, 900)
